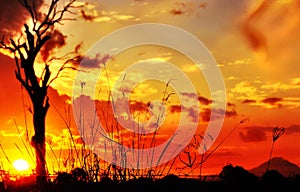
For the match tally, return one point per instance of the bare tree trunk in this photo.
(40, 105)
(41, 174)
(25, 52)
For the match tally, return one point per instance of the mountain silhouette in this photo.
(283, 166)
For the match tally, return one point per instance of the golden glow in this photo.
(21, 165)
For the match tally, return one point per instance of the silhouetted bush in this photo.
(274, 181)
(237, 178)
(231, 178)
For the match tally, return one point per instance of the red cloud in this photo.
(87, 17)
(248, 101)
(186, 8)
(137, 106)
(175, 109)
(204, 100)
(206, 114)
(57, 40)
(230, 104)
(272, 100)
(253, 135)
(201, 99)
(13, 15)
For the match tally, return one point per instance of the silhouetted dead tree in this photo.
(25, 51)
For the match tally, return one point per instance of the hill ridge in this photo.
(280, 164)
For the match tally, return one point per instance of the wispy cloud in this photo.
(91, 13)
(267, 94)
(271, 16)
(187, 8)
(193, 68)
(246, 90)
(274, 102)
(246, 61)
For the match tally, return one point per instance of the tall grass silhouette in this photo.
(276, 134)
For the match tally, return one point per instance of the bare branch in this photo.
(64, 67)
(46, 76)
(30, 9)
(17, 65)
(17, 48)
(53, 16)
(5, 46)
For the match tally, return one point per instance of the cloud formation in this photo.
(248, 101)
(87, 17)
(255, 37)
(206, 114)
(13, 15)
(205, 110)
(57, 40)
(274, 101)
(253, 135)
(276, 50)
(185, 8)
(293, 129)
(259, 133)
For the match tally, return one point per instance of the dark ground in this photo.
(231, 179)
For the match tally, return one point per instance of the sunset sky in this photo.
(254, 43)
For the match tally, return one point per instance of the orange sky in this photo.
(254, 43)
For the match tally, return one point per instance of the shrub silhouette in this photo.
(63, 178)
(272, 180)
(237, 178)
(170, 183)
(79, 175)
